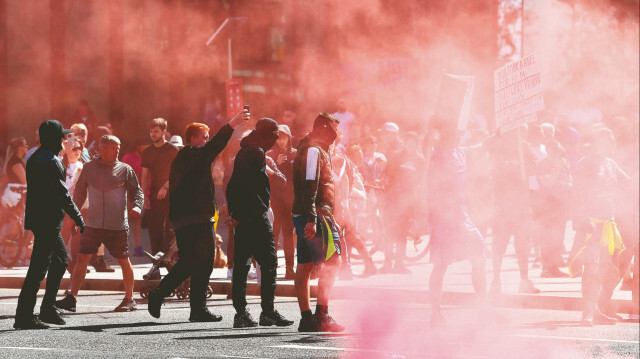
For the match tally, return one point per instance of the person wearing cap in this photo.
(192, 207)
(283, 155)
(47, 201)
(176, 141)
(319, 241)
(248, 194)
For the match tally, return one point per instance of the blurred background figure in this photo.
(283, 155)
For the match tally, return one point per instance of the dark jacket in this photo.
(47, 195)
(191, 190)
(248, 191)
(313, 186)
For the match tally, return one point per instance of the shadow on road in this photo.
(239, 336)
(101, 328)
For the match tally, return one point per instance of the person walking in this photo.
(192, 207)
(110, 186)
(47, 201)
(248, 194)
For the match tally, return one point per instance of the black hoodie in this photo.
(47, 195)
(248, 191)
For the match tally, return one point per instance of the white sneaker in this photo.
(229, 273)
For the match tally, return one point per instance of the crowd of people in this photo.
(349, 186)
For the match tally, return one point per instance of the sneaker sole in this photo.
(122, 310)
(72, 310)
(272, 323)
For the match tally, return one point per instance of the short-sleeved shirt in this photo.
(12, 177)
(158, 161)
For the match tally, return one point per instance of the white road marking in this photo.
(577, 339)
(28, 348)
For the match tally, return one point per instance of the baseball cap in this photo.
(176, 140)
(52, 129)
(284, 129)
(266, 125)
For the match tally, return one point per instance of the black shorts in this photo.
(116, 241)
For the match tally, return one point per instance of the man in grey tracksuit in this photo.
(112, 188)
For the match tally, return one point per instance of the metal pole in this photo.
(522, 30)
(230, 65)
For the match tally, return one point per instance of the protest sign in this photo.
(518, 93)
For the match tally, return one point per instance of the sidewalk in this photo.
(556, 293)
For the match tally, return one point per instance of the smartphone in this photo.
(246, 107)
(70, 138)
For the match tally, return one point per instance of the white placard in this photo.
(518, 93)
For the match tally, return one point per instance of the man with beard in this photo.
(248, 194)
(47, 201)
(316, 228)
(192, 208)
(156, 162)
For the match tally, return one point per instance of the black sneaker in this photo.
(268, 319)
(51, 316)
(308, 324)
(127, 305)
(204, 315)
(327, 324)
(68, 303)
(244, 320)
(154, 302)
(32, 322)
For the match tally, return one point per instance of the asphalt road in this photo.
(374, 330)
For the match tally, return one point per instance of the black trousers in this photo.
(254, 237)
(196, 252)
(160, 236)
(49, 254)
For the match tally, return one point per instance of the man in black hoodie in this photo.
(47, 202)
(191, 210)
(248, 194)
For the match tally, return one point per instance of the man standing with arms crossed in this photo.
(316, 228)
(110, 186)
(192, 207)
(47, 201)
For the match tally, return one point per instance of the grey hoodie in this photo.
(110, 187)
